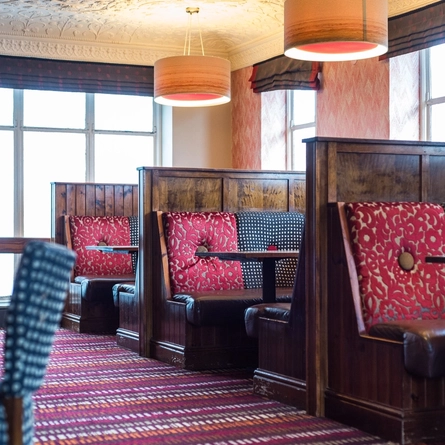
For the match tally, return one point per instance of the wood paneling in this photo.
(90, 199)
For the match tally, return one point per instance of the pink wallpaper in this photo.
(246, 122)
(354, 100)
(405, 97)
(367, 99)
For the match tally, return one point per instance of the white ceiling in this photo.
(142, 31)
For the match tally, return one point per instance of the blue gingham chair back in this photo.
(40, 287)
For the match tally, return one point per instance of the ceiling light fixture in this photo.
(192, 81)
(335, 30)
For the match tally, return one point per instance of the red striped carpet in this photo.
(97, 393)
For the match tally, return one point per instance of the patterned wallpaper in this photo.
(258, 126)
(246, 122)
(354, 100)
(367, 99)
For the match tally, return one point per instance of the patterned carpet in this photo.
(96, 393)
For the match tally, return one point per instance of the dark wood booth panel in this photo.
(165, 334)
(92, 199)
(281, 332)
(352, 378)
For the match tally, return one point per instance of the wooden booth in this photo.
(165, 333)
(351, 377)
(95, 313)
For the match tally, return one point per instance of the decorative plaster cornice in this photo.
(142, 31)
(257, 51)
(81, 51)
(240, 57)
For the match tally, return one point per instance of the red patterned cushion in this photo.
(184, 233)
(380, 233)
(92, 230)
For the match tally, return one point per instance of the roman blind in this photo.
(61, 75)
(416, 30)
(284, 73)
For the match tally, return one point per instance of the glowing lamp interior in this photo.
(338, 47)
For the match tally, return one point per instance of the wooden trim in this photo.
(164, 256)
(16, 244)
(351, 268)
(14, 413)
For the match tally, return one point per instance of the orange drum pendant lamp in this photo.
(335, 30)
(192, 81)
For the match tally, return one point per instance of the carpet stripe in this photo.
(96, 392)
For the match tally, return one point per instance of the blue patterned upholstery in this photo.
(40, 289)
(263, 230)
(134, 239)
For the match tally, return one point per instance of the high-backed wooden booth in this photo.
(163, 334)
(356, 380)
(89, 199)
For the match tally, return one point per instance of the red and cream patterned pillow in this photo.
(95, 230)
(389, 244)
(185, 232)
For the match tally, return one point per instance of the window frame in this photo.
(89, 131)
(293, 128)
(427, 101)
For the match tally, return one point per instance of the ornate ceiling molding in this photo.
(141, 31)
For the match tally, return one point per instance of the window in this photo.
(434, 110)
(49, 136)
(302, 112)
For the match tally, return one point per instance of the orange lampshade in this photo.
(335, 30)
(192, 81)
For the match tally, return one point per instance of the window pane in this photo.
(437, 120)
(117, 157)
(7, 267)
(48, 157)
(7, 183)
(53, 109)
(119, 112)
(304, 107)
(299, 148)
(6, 101)
(7, 206)
(437, 61)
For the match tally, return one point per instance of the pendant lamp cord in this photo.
(188, 34)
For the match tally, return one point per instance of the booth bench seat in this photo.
(90, 307)
(386, 318)
(423, 344)
(200, 324)
(220, 307)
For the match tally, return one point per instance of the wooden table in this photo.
(114, 249)
(268, 259)
(435, 259)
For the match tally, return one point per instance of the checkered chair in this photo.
(40, 289)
